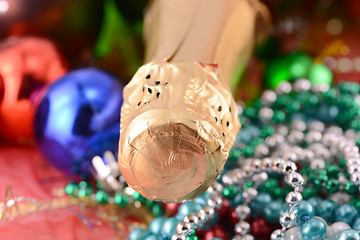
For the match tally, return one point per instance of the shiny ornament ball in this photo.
(26, 66)
(78, 118)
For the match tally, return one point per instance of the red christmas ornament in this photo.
(26, 66)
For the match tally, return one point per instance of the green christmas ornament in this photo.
(320, 74)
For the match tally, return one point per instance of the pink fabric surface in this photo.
(32, 176)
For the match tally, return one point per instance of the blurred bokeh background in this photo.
(42, 43)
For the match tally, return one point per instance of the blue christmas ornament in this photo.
(78, 118)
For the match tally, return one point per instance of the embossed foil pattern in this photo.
(178, 123)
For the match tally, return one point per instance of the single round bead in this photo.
(242, 211)
(345, 213)
(326, 210)
(266, 113)
(184, 227)
(268, 97)
(277, 235)
(248, 151)
(314, 229)
(156, 225)
(284, 88)
(332, 186)
(102, 197)
(294, 179)
(178, 236)
(293, 198)
(348, 234)
(157, 210)
(288, 167)
(121, 200)
(72, 189)
(335, 229)
(287, 219)
(272, 211)
(298, 124)
(266, 163)
(278, 116)
(303, 211)
(256, 164)
(169, 227)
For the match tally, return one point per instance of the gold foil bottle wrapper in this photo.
(179, 119)
(178, 124)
